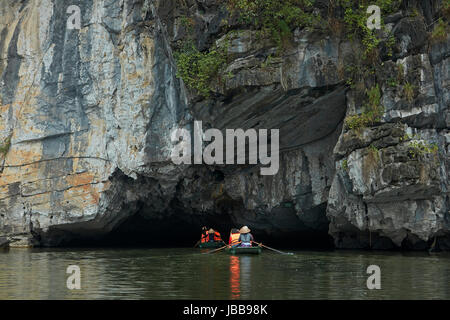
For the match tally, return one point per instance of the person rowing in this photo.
(245, 238)
(213, 236)
(204, 234)
(210, 235)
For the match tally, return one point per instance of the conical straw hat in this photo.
(211, 230)
(244, 229)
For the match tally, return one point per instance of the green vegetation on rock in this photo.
(446, 8)
(187, 23)
(408, 92)
(276, 18)
(345, 164)
(440, 32)
(198, 69)
(5, 146)
(418, 148)
(372, 111)
(368, 46)
(356, 22)
(392, 82)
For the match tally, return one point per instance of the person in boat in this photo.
(234, 237)
(204, 235)
(245, 237)
(213, 236)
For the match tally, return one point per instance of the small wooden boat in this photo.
(244, 250)
(211, 245)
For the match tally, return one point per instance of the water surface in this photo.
(188, 274)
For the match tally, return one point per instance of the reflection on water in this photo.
(187, 274)
(235, 277)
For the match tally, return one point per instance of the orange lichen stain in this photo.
(95, 196)
(23, 173)
(84, 194)
(133, 76)
(42, 200)
(80, 179)
(24, 155)
(146, 83)
(3, 116)
(28, 173)
(9, 177)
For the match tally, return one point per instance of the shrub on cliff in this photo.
(198, 69)
(274, 17)
(355, 19)
(372, 111)
(440, 31)
(419, 148)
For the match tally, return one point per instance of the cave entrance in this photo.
(280, 228)
(178, 229)
(182, 229)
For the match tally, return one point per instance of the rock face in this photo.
(86, 119)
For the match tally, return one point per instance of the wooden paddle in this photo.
(215, 250)
(290, 253)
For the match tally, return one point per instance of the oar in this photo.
(197, 243)
(215, 250)
(272, 248)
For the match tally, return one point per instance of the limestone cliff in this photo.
(86, 118)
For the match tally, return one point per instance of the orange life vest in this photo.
(215, 237)
(204, 237)
(234, 238)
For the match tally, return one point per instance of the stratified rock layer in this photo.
(89, 115)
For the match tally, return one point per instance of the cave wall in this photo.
(90, 112)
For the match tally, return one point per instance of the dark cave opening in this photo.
(138, 231)
(183, 230)
(171, 231)
(180, 224)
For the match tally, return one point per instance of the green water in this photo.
(187, 274)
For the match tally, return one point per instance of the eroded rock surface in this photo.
(89, 115)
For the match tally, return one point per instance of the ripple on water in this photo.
(187, 274)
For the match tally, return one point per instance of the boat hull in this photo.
(211, 245)
(244, 250)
